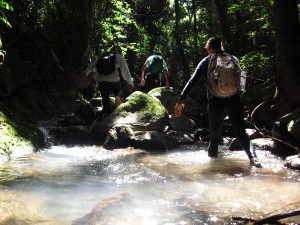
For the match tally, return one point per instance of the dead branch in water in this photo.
(268, 136)
(270, 219)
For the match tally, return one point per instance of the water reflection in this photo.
(83, 185)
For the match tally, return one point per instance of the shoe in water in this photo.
(255, 162)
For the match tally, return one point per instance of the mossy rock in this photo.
(140, 111)
(10, 139)
(143, 105)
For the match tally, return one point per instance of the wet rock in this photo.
(118, 137)
(101, 213)
(253, 134)
(201, 134)
(263, 143)
(293, 162)
(86, 113)
(153, 141)
(259, 143)
(183, 137)
(182, 123)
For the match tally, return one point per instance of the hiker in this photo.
(223, 97)
(151, 72)
(108, 68)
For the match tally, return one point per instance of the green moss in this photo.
(9, 137)
(140, 102)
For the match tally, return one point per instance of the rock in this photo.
(118, 137)
(168, 97)
(259, 143)
(293, 162)
(72, 135)
(201, 134)
(182, 137)
(153, 141)
(102, 212)
(252, 133)
(140, 111)
(263, 143)
(182, 123)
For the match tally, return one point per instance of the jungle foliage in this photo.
(48, 43)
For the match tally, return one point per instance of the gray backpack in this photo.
(223, 75)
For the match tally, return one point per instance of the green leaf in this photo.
(5, 5)
(5, 21)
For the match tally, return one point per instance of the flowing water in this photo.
(90, 185)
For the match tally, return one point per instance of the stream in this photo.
(83, 184)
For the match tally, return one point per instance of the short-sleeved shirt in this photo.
(149, 59)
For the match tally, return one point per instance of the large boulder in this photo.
(140, 111)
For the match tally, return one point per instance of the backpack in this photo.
(106, 64)
(223, 75)
(156, 64)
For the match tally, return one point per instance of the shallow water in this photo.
(85, 185)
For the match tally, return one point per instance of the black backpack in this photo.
(106, 64)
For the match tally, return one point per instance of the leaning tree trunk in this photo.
(287, 30)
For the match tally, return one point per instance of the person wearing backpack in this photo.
(107, 71)
(222, 82)
(151, 72)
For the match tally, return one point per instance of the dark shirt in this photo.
(199, 71)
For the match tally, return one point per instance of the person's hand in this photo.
(178, 109)
(142, 82)
(131, 88)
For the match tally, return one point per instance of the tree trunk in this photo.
(287, 30)
(220, 10)
(196, 47)
(185, 67)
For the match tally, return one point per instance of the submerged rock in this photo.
(101, 213)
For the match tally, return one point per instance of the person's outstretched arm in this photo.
(142, 83)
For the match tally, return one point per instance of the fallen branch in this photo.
(268, 136)
(270, 219)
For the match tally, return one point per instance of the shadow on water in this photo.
(85, 185)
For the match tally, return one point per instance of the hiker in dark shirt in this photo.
(217, 107)
(151, 72)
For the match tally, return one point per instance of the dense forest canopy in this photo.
(48, 43)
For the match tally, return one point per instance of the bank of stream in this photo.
(84, 184)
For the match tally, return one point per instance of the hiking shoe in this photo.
(255, 162)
